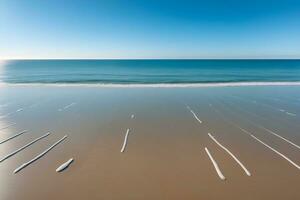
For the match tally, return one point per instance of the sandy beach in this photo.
(165, 155)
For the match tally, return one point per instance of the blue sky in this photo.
(149, 29)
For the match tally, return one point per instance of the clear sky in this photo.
(149, 29)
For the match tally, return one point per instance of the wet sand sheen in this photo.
(166, 158)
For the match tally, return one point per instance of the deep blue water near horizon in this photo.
(149, 71)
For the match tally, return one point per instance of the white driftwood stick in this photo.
(39, 156)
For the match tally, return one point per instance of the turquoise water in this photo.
(149, 71)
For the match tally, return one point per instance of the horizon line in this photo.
(157, 58)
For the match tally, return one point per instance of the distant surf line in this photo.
(158, 85)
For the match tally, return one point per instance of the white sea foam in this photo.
(156, 85)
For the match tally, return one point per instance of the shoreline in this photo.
(156, 85)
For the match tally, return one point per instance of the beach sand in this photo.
(165, 154)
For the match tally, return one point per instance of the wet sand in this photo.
(165, 154)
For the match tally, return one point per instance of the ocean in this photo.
(131, 72)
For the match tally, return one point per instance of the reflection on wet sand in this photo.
(169, 156)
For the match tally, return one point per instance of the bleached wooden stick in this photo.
(38, 156)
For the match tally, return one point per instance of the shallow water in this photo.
(164, 156)
(149, 71)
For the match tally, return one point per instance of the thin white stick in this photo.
(12, 137)
(8, 114)
(125, 141)
(288, 141)
(39, 156)
(4, 105)
(231, 154)
(268, 130)
(67, 106)
(64, 165)
(19, 110)
(12, 124)
(264, 128)
(215, 165)
(23, 147)
(291, 114)
(247, 132)
(283, 156)
(196, 117)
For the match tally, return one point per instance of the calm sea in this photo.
(149, 71)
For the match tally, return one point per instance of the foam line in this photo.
(24, 147)
(12, 137)
(194, 114)
(156, 85)
(222, 177)
(39, 156)
(231, 154)
(64, 165)
(283, 156)
(12, 124)
(125, 141)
